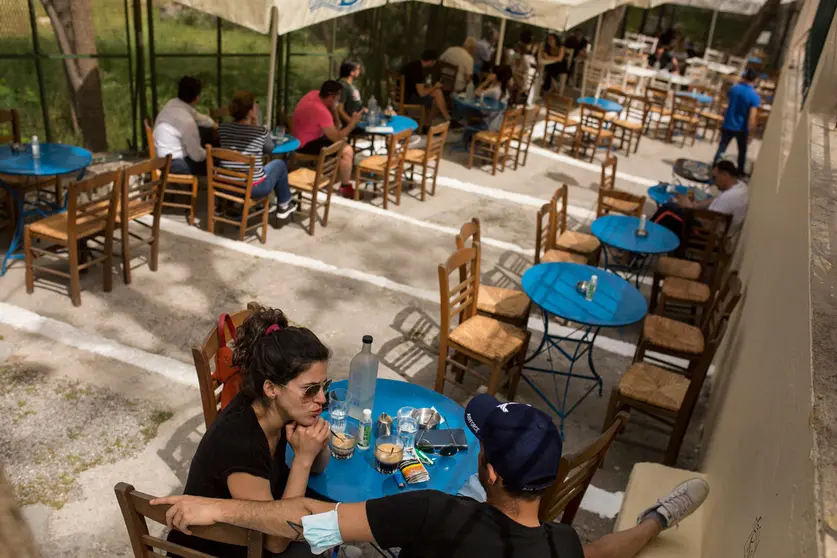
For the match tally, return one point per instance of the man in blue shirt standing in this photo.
(739, 117)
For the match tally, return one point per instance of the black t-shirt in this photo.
(413, 75)
(576, 44)
(431, 524)
(234, 443)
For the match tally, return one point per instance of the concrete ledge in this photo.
(648, 483)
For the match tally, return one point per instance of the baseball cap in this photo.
(519, 441)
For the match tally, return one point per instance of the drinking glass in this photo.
(279, 132)
(407, 426)
(389, 451)
(343, 443)
(338, 407)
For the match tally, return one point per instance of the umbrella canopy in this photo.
(744, 7)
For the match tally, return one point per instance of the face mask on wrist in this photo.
(322, 531)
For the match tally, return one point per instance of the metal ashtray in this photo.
(641, 233)
(427, 418)
(581, 287)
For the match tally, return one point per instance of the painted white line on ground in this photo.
(64, 333)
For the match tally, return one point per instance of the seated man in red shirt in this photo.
(315, 128)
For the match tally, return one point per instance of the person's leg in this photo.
(276, 175)
(741, 138)
(726, 136)
(347, 158)
(624, 544)
(439, 99)
(179, 166)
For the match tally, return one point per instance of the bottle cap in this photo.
(367, 339)
(367, 414)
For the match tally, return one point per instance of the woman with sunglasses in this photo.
(242, 454)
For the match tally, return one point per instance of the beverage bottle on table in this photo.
(469, 90)
(372, 108)
(36, 147)
(363, 373)
(364, 436)
(591, 287)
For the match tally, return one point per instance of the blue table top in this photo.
(616, 302)
(619, 231)
(661, 197)
(699, 97)
(289, 145)
(754, 60)
(356, 480)
(55, 159)
(398, 124)
(605, 104)
(490, 104)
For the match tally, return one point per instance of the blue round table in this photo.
(604, 104)
(619, 231)
(289, 144)
(356, 480)
(56, 159)
(701, 98)
(660, 196)
(554, 287)
(398, 124)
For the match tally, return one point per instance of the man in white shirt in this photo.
(463, 58)
(733, 198)
(484, 55)
(176, 130)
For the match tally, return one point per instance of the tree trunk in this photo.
(473, 25)
(751, 34)
(72, 22)
(611, 21)
(15, 538)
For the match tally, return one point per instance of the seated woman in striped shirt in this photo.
(246, 136)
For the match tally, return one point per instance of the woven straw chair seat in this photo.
(654, 385)
(673, 335)
(415, 156)
(636, 126)
(686, 290)
(685, 118)
(712, 116)
(558, 256)
(596, 131)
(659, 110)
(93, 221)
(677, 267)
(508, 303)
(375, 163)
(578, 242)
(493, 339)
(561, 120)
(488, 136)
(620, 206)
(303, 179)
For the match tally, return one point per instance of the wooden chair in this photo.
(143, 189)
(428, 158)
(312, 183)
(739, 63)
(711, 55)
(447, 76)
(558, 110)
(636, 118)
(611, 200)
(684, 118)
(234, 186)
(593, 128)
(545, 250)
(668, 395)
(575, 472)
(496, 344)
(595, 72)
(397, 95)
(385, 169)
(136, 509)
(560, 238)
(176, 181)
(617, 80)
(657, 108)
(487, 145)
(70, 231)
(673, 338)
(618, 96)
(712, 118)
(204, 358)
(522, 136)
(506, 305)
(699, 253)
(49, 186)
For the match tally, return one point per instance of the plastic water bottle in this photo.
(372, 107)
(363, 373)
(591, 287)
(469, 91)
(364, 435)
(36, 148)
(642, 222)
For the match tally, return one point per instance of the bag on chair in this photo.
(225, 373)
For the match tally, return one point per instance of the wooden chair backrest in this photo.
(96, 198)
(593, 117)
(204, 358)
(616, 75)
(435, 145)
(544, 230)
(685, 106)
(705, 235)
(723, 305)
(712, 55)
(608, 180)
(147, 188)
(229, 184)
(397, 145)
(395, 89)
(657, 96)
(460, 299)
(575, 473)
(595, 72)
(636, 109)
(614, 94)
(328, 164)
(10, 117)
(511, 120)
(136, 509)
(737, 62)
(557, 105)
(650, 43)
(447, 75)
(470, 231)
(622, 196)
(561, 199)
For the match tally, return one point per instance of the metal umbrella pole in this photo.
(271, 74)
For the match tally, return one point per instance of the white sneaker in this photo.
(680, 503)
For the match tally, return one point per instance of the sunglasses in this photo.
(313, 390)
(444, 451)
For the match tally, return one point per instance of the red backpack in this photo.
(225, 373)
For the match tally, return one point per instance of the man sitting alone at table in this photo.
(417, 91)
(176, 130)
(733, 198)
(315, 129)
(520, 451)
(463, 58)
